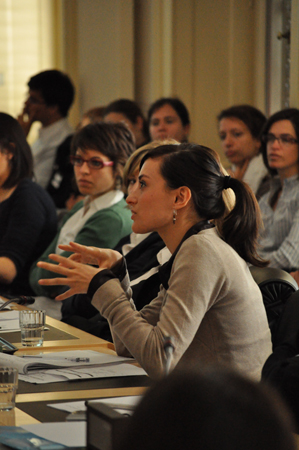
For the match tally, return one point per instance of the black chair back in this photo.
(276, 286)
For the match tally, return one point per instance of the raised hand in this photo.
(102, 257)
(73, 274)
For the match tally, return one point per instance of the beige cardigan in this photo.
(212, 309)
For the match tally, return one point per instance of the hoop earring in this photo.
(174, 214)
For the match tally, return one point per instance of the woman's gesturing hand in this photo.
(104, 258)
(74, 274)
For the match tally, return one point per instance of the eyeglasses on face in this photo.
(93, 163)
(283, 139)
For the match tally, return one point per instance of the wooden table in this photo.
(32, 398)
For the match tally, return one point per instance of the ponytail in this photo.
(240, 227)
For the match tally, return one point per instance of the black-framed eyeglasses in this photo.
(93, 163)
(283, 139)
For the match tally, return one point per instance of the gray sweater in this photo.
(213, 310)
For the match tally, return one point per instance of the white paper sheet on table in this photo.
(71, 434)
(118, 403)
(9, 321)
(55, 376)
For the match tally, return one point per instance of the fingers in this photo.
(73, 247)
(63, 268)
(65, 295)
(52, 282)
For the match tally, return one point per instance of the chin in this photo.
(140, 229)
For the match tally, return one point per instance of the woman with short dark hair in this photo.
(168, 117)
(240, 129)
(99, 153)
(129, 112)
(208, 302)
(28, 220)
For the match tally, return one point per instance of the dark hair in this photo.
(291, 114)
(133, 162)
(56, 89)
(175, 103)
(129, 109)
(253, 118)
(114, 140)
(13, 140)
(198, 168)
(212, 409)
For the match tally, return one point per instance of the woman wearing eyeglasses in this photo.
(279, 242)
(99, 153)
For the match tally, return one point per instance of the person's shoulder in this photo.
(31, 186)
(207, 243)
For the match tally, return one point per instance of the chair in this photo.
(276, 286)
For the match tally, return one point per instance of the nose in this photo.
(131, 198)
(227, 141)
(84, 168)
(275, 143)
(161, 125)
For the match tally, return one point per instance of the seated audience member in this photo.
(279, 242)
(144, 253)
(62, 186)
(239, 131)
(168, 118)
(51, 94)
(209, 303)
(211, 409)
(128, 111)
(28, 219)
(100, 152)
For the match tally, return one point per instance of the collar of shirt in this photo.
(53, 131)
(77, 221)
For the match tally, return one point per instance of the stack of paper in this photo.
(69, 365)
(9, 321)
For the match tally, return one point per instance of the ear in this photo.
(187, 129)
(182, 197)
(257, 145)
(139, 123)
(54, 110)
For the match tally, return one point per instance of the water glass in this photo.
(32, 324)
(8, 387)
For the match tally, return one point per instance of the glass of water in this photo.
(8, 387)
(32, 324)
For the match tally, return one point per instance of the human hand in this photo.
(75, 275)
(25, 120)
(104, 258)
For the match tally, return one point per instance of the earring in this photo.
(174, 216)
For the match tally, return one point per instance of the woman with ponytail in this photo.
(208, 302)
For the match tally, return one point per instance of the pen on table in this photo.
(57, 358)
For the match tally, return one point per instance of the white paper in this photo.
(9, 321)
(71, 434)
(116, 402)
(54, 376)
(27, 364)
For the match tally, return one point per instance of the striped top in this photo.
(279, 241)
